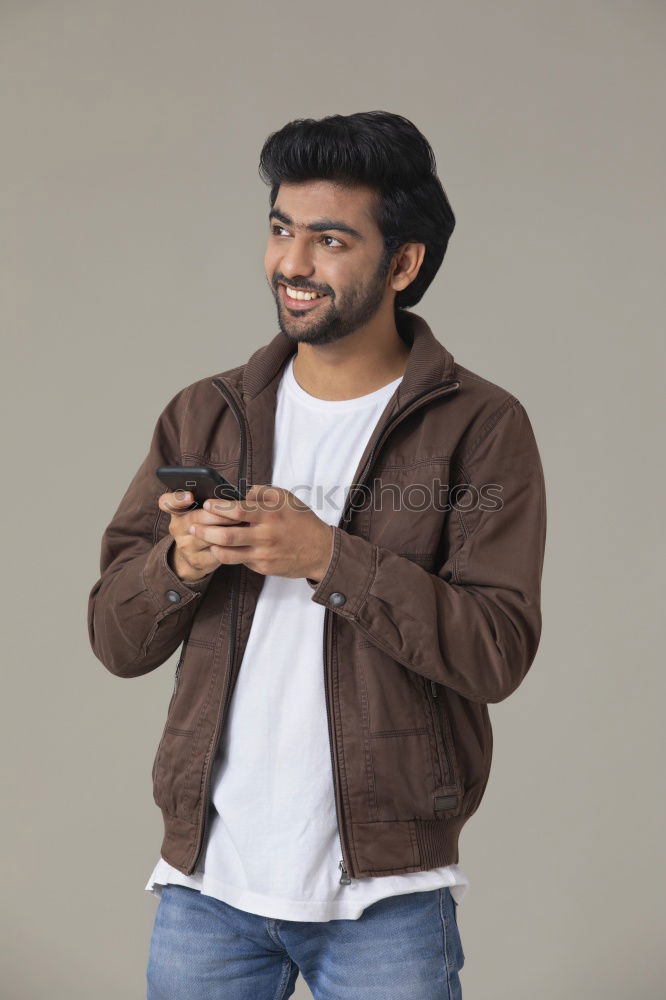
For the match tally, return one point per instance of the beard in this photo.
(332, 321)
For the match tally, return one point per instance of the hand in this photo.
(191, 559)
(278, 535)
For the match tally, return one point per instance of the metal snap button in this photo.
(173, 596)
(337, 599)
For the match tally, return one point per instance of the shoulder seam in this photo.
(488, 426)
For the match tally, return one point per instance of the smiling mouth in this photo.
(298, 304)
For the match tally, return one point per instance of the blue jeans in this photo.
(401, 948)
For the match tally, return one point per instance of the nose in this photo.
(296, 260)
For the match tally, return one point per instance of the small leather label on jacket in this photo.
(446, 801)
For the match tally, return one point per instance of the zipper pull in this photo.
(433, 688)
(176, 678)
(344, 878)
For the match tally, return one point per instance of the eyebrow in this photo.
(318, 226)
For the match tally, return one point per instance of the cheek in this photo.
(349, 276)
(270, 263)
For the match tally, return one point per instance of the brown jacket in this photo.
(432, 599)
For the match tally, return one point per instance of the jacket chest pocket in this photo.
(445, 757)
(408, 506)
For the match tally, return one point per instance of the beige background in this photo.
(133, 233)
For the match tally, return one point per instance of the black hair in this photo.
(380, 150)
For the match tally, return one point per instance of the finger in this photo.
(264, 495)
(175, 502)
(203, 516)
(249, 509)
(232, 556)
(224, 536)
(194, 544)
(235, 510)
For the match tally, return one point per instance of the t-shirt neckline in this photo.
(314, 402)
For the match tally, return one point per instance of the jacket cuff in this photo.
(349, 576)
(169, 591)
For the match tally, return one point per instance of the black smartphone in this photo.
(203, 482)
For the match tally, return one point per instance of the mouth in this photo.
(300, 305)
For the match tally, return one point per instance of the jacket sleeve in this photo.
(475, 624)
(139, 610)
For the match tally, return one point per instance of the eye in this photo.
(277, 229)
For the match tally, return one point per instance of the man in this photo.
(328, 734)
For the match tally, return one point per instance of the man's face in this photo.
(341, 259)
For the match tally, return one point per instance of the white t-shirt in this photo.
(273, 846)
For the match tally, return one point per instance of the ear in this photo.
(406, 265)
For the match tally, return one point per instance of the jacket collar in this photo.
(428, 364)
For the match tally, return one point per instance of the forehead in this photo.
(312, 201)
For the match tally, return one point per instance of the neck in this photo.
(353, 366)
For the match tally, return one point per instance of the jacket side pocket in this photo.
(169, 772)
(449, 771)
(176, 680)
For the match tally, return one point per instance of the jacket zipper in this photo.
(345, 865)
(235, 588)
(344, 877)
(449, 762)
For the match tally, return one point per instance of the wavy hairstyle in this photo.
(380, 150)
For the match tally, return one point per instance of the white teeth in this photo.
(295, 293)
